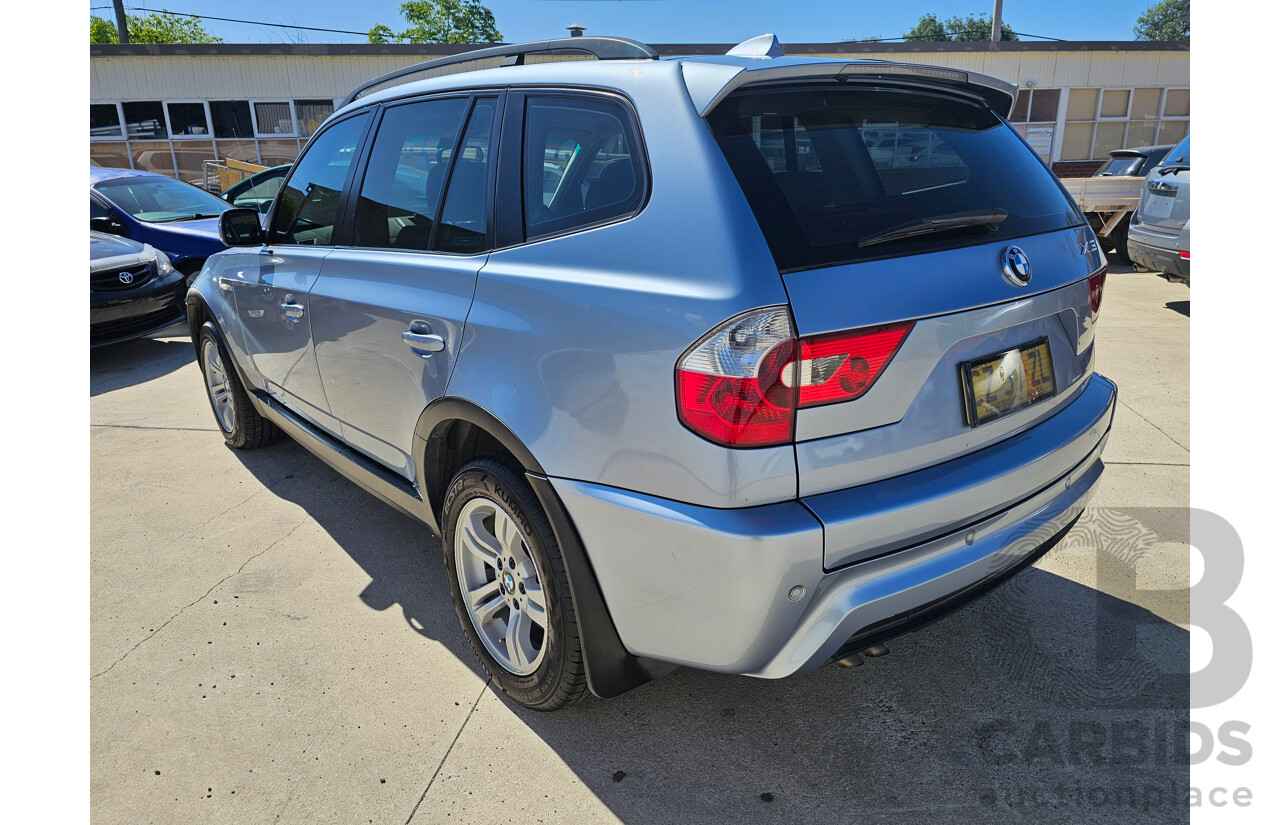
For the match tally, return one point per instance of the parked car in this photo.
(1135, 162)
(258, 190)
(684, 401)
(176, 218)
(1110, 196)
(134, 290)
(1160, 231)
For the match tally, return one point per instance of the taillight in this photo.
(843, 365)
(741, 384)
(1185, 254)
(1096, 281)
(729, 387)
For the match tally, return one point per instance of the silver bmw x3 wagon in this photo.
(746, 363)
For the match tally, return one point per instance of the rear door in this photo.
(926, 238)
(389, 307)
(272, 293)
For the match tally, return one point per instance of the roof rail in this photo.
(604, 48)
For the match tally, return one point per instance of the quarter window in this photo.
(580, 164)
(308, 203)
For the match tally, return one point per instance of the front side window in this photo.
(836, 174)
(400, 195)
(161, 200)
(581, 164)
(259, 194)
(307, 207)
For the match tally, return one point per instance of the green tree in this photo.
(976, 27)
(159, 27)
(102, 31)
(1168, 20)
(441, 21)
(969, 28)
(928, 30)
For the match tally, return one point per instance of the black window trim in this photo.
(351, 196)
(340, 222)
(509, 224)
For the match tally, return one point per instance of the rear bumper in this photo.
(711, 588)
(1159, 252)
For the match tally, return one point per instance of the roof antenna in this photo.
(766, 45)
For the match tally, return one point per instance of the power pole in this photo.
(122, 23)
(995, 21)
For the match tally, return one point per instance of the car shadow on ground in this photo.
(1046, 701)
(1180, 307)
(117, 366)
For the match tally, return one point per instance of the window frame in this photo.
(208, 122)
(508, 226)
(258, 134)
(1160, 119)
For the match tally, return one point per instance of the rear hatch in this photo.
(937, 236)
(1166, 197)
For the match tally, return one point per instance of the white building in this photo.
(166, 108)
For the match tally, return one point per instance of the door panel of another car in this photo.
(417, 238)
(272, 293)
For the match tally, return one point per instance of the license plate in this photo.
(1158, 206)
(1007, 382)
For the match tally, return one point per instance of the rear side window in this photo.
(829, 169)
(581, 164)
(307, 205)
(400, 196)
(463, 224)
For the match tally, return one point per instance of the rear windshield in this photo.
(829, 170)
(1181, 154)
(1121, 166)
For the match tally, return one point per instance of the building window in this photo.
(231, 119)
(273, 118)
(144, 120)
(1100, 120)
(311, 113)
(188, 119)
(1035, 116)
(104, 121)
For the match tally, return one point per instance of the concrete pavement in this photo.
(271, 644)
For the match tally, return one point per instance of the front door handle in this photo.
(420, 337)
(291, 309)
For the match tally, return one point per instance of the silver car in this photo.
(680, 370)
(1160, 230)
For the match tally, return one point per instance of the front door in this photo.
(272, 294)
(388, 309)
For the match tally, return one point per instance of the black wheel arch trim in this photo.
(611, 669)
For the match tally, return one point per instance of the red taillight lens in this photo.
(1096, 281)
(843, 365)
(1185, 254)
(741, 383)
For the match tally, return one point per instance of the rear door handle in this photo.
(291, 309)
(420, 337)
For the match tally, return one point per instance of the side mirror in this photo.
(109, 225)
(241, 227)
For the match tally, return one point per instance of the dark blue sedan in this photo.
(177, 218)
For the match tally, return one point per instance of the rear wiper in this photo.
(1169, 170)
(988, 218)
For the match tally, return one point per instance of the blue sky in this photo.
(667, 21)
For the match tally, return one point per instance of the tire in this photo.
(241, 425)
(1119, 238)
(490, 506)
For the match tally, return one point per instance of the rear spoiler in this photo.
(710, 83)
